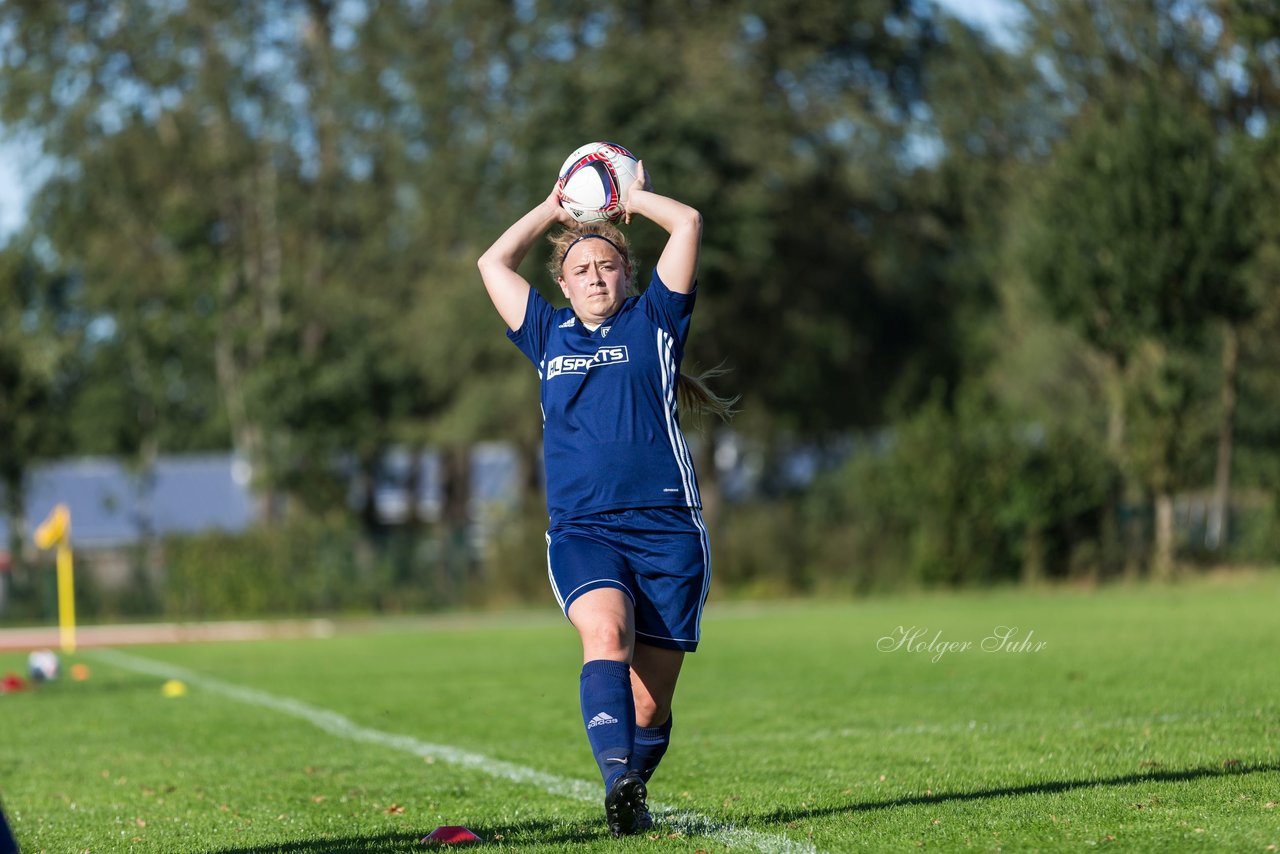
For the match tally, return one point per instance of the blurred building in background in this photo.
(116, 509)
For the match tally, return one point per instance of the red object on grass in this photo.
(12, 682)
(451, 834)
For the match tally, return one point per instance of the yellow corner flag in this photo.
(55, 532)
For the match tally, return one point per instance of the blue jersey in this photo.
(611, 436)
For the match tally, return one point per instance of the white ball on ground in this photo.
(42, 665)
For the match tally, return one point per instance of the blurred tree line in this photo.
(1018, 295)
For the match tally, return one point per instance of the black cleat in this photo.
(625, 808)
(644, 819)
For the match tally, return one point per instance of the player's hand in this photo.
(641, 183)
(553, 206)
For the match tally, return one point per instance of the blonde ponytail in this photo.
(696, 396)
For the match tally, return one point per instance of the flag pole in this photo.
(55, 532)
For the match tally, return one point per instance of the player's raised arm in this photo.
(508, 290)
(678, 265)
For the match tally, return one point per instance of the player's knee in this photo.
(606, 639)
(651, 711)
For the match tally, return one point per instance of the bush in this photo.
(962, 496)
(305, 566)
(515, 562)
(763, 550)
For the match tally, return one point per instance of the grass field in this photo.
(1147, 721)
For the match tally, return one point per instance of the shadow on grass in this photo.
(784, 815)
(534, 831)
(569, 833)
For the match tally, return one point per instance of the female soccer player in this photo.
(627, 550)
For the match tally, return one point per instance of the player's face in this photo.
(594, 278)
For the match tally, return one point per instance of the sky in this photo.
(990, 15)
(13, 193)
(20, 172)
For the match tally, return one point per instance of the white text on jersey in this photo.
(581, 363)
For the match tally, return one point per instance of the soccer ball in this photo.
(594, 181)
(42, 665)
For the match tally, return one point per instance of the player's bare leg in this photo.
(654, 672)
(605, 623)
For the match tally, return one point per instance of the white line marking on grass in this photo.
(689, 823)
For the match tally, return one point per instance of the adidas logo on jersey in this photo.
(580, 364)
(602, 719)
(568, 323)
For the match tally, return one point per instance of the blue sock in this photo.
(651, 744)
(609, 714)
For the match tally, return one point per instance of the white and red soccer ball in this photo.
(594, 181)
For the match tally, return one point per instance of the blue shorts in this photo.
(658, 556)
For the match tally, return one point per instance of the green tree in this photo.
(1140, 238)
(37, 354)
(1249, 39)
